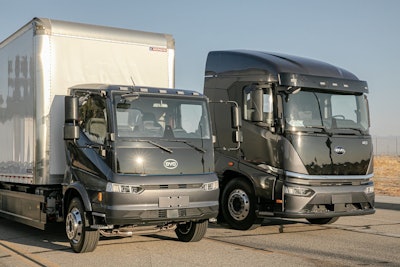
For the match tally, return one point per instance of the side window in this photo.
(250, 106)
(93, 119)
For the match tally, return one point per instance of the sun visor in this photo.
(320, 82)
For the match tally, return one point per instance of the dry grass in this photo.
(387, 175)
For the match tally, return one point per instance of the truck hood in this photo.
(333, 155)
(169, 158)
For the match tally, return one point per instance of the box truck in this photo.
(83, 143)
(304, 150)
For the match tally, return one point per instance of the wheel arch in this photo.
(229, 175)
(76, 190)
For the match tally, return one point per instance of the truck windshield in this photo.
(161, 117)
(327, 111)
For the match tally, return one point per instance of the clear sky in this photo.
(362, 36)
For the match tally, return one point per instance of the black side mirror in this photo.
(71, 127)
(257, 104)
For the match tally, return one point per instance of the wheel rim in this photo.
(185, 228)
(238, 204)
(74, 225)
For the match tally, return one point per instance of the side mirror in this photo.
(257, 104)
(71, 109)
(237, 137)
(71, 127)
(71, 132)
(369, 119)
(236, 124)
(236, 117)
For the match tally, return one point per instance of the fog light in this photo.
(298, 191)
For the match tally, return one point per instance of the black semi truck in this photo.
(304, 151)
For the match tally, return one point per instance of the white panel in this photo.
(17, 106)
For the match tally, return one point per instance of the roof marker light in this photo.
(144, 90)
(162, 91)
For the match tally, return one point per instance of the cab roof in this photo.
(287, 70)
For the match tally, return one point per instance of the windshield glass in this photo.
(166, 117)
(326, 110)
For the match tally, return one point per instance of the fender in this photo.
(77, 189)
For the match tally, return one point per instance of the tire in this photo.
(323, 220)
(81, 238)
(238, 204)
(191, 231)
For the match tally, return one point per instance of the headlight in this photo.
(369, 190)
(210, 186)
(298, 191)
(124, 188)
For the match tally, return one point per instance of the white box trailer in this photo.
(40, 61)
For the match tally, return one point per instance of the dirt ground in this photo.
(387, 175)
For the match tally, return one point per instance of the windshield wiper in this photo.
(189, 144)
(354, 129)
(323, 128)
(155, 144)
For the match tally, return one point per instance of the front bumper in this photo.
(133, 215)
(326, 201)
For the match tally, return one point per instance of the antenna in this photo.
(133, 82)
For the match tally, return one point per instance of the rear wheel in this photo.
(81, 238)
(238, 204)
(323, 220)
(191, 231)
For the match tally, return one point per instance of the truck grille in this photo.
(163, 213)
(172, 186)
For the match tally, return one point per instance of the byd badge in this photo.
(170, 164)
(339, 150)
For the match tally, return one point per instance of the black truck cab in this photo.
(306, 149)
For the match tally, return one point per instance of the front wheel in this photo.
(191, 231)
(81, 238)
(323, 220)
(238, 205)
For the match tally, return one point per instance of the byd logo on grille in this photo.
(170, 164)
(339, 150)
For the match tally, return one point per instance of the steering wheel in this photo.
(339, 117)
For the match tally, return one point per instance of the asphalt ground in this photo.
(387, 202)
